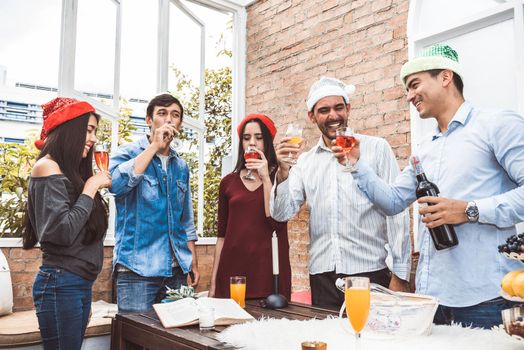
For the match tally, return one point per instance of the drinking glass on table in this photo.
(102, 156)
(295, 132)
(357, 298)
(237, 288)
(250, 153)
(206, 318)
(346, 140)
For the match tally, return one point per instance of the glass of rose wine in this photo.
(357, 299)
(102, 156)
(250, 153)
(346, 140)
(295, 132)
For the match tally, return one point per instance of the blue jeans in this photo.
(483, 315)
(136, 293)
(63, 303)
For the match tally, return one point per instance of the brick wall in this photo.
(24, 265)
(292, 43)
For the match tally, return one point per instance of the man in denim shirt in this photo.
(155, 233)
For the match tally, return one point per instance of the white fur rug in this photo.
(288, 335)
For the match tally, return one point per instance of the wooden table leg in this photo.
(117, 342)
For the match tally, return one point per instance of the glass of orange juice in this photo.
(295, 133)
(237, 288)
(357, 298)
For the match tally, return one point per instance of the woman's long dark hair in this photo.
(269, 149)
(65, 145)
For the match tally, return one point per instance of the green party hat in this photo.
(437, 56)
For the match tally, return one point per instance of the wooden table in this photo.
(134, 331)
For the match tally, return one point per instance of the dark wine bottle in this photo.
(443, 236)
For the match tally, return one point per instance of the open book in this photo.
(184, 312)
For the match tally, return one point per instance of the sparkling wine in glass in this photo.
(102, 156)
(295, 132)
(357, 298)
(346, 140)
(175, 143)
(250, 153)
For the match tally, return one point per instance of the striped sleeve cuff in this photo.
(402, 270)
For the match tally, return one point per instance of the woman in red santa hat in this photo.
(66, 214)
(245, 225)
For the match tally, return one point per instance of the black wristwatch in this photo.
(472, 212)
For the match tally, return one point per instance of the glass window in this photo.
(29, 56)
(139, 50)
(185, 47)
(30, 42)
(95, 48)
(219, 34)
(200, 37)
(195, 31)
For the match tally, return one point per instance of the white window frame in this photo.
(513, 9)
(66, 83)
(162, 81)
(238, 9)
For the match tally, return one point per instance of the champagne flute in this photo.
(346, 140)
(102, 156)
(357, 298)
(175, 143)
(250, 153)
(295, 132)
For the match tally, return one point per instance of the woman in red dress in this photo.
(245, 226)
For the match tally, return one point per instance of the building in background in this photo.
(21, 114)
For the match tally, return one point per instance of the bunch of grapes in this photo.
(514, 244)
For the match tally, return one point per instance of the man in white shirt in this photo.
(348, 234)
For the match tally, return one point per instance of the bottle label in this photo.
(417, 166)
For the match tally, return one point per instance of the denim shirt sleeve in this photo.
(122, 169)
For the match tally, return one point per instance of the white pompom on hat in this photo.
(327, 86)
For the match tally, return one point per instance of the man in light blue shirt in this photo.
(476, 158)
(155, 232)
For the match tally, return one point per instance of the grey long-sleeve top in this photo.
(59, 219)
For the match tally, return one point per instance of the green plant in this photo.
(125, 128)
(15, 165)
(217, 119)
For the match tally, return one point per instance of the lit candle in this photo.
(274, 251)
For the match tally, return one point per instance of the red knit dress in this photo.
(247, 241)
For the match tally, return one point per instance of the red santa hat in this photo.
(263, 118)
(59, 111)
